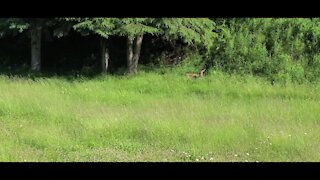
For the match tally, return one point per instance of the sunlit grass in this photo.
(153, 117)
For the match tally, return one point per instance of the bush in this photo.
(193, 62)
(279, 49)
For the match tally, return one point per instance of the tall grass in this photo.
(153, 117)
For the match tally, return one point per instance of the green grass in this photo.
(153, 117)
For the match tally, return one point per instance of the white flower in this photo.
(211, 159)
(197, 159)
(236, 155)
(247, 154)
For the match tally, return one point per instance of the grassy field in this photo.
(153, 117)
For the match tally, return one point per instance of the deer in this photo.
(196, 75)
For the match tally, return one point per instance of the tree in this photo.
(35, 28)
(100, 26)
(134, 29)
(193, 31)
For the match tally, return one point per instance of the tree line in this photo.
(280, 49)
(193, 31)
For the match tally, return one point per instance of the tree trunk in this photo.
(36, 48)
(133, 54)
(137, 50)
(104, 55)
(130, 56)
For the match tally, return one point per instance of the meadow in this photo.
(154, 117)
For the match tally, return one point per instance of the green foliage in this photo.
(131, 27)
(19, 25)
(12, 26)
(198, 31)
(192, 63)
(101, 26)
(280, 49)
(105, 27)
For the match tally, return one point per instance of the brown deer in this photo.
(196, 75)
